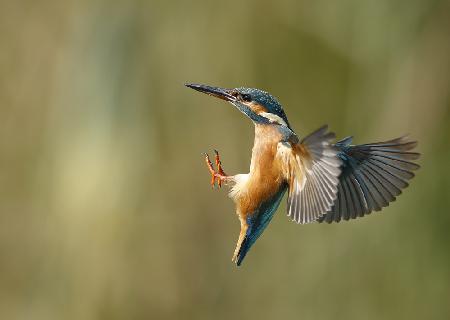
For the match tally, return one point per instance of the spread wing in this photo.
(312, 168)
(372, 176)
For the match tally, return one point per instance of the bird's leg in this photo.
(219, 168)
(211, 169)
(219, 174)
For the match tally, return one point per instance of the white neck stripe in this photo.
(273, 118)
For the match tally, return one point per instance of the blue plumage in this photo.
(326, 182)
(258, 221)
(267, 100)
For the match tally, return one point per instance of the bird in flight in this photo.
(324, 181)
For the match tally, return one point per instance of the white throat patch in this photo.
(273, 118)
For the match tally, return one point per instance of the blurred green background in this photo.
(105, 206)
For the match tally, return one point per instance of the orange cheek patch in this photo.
(257, 108)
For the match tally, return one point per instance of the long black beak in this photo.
(221, 93)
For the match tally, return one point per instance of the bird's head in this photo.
(260, 106)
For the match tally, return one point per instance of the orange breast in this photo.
(265, 177)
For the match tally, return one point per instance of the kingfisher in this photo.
(325, 181)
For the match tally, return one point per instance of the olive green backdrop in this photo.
(105, 206)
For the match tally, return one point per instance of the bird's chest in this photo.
(265, 178)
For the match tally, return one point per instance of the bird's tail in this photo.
(258, 222)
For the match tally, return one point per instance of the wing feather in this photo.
(312, 168)
(373, 175)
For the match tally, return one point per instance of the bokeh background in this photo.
(105, 206)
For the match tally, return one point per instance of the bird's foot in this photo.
(218, 174)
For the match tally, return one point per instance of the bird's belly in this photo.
(265, 177)
(251, 190)
(240, 187)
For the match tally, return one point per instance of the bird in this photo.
(325, 181)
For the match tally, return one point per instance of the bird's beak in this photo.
(221, 93)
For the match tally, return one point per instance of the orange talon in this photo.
(219, 168)
(219, 174)
(211, 169)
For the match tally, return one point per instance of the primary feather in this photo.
(373, 175)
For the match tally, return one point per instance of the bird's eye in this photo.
(246, 97)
